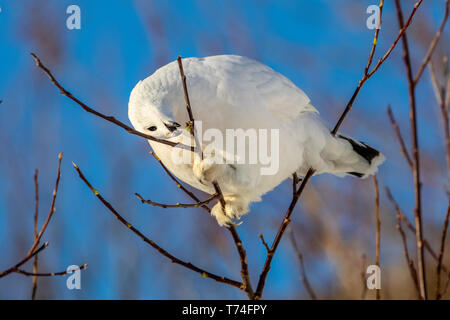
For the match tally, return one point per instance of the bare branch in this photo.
(377, 66)
(295, 181)
(174, 259)
(433, 44)
(36, 214)
(282, 228)
(440, 97)
(441, 254)
(378, 234)
(47, 274)
(303, 275)
(363, 276)
(178, 205)
(409, 262)
(191, 124)
(403, 149)
(52, 207)
(375, 39)
(231, 229)
(416, 160)
(23, 261)
(110, 119)
(178, 183)
(264, 242)
(411, 228)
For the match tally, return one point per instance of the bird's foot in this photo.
(206, 170)
(233, 210)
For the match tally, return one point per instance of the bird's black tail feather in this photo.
(366, 152)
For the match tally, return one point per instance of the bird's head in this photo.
(151, 115)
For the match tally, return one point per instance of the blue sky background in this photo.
(322, 46)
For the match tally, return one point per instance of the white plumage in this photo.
(234, 92)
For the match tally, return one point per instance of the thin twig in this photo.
(111, 119)
(237, 241)
(403, 149)
(410, 263)
(440, 97)
(282, 228)
(36, 214)
(246, 284)
(444, 291)
(52, 206)
(367, 76)
(303, 275)
(48, 274)
(378, 234)
(416, 160)
(295, 181)
(122, 220)
(264, 242)
(434, 81)
(191, 124)
(441, 254)
(23, 261)
(178, 183)
(375, 39)
(363, 276)
(177, 205)
(33, 252)
(433, 44)
(411, 228)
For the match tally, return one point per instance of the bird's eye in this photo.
(152, 128)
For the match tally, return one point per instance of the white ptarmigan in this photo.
(233, 92)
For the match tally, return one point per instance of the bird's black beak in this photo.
(172, 126)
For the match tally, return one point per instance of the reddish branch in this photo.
(363, 276)
(378, 234)
(33, 252)
(443, 104)
(35, 248)
(303, 275)
(416, 160)
(49, 274)
(111, 119)
(52, 207)
(441, 255)
(276, 241)
(433, 44)
(237, 241)
(398, 133)
(36, 214)
(23, 261)
(153, 244)
(177, 205)
(411, 228)
(409, 262)
(366, 76)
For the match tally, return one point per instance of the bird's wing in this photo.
(261, 84)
